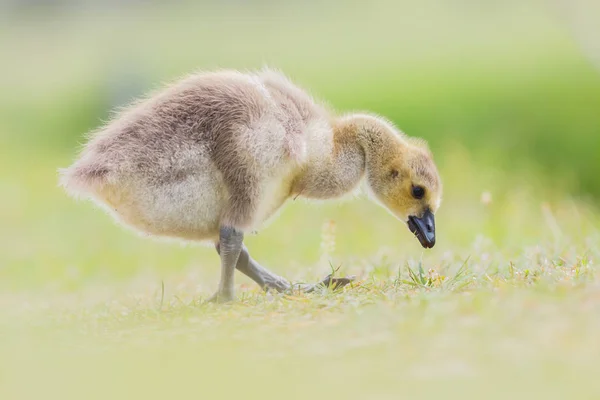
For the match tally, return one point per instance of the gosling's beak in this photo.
(423, 228)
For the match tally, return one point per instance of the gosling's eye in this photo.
(418, 192)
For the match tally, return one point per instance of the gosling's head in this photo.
(406, 181)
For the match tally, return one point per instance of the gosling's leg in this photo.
(231, 244)
(253, 270)
(268, 280)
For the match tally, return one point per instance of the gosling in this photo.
(213, 156)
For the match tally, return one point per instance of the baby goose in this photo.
(214, 155)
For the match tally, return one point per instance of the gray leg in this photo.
(253, 270)
(230, 247)
(268, 280)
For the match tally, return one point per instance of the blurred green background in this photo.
(507, 94)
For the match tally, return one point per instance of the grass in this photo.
(490, 325)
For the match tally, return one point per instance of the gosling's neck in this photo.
(361, 145)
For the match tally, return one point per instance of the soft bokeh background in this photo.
(507, 94)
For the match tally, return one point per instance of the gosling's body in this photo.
(171, 165)
(216, 154)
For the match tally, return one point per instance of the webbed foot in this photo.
(328, 282)
(221, 298)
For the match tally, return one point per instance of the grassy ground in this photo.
(482, 326)
(511, 332)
